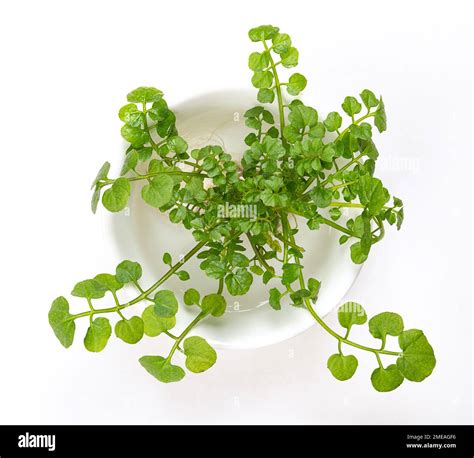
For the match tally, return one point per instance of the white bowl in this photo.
(143, 234)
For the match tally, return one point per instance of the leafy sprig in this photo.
(296, 163)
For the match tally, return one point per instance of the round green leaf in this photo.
(109, 282)
(200, 356)
(386, 323)
(214, 304)
(281, 43)
(259, 61)
(388, 379)
(116, 197)
(161, 369)
(417, 360)
(262, 80)
(130, 331)
(342, 367)
(145, 95)
(134, 135)
(153, 324)
(166, 304)
(369, 99)
(239, 282)
(90, 289)
(98, 335)
(290, 58)
(266, 95)
(333, 121)
(263, 32)
(351, 106)
(59, 320)
(296, 84)
(351, 313)
(128, 271)
(358, 253)
(191, 297)
(159, 191)
(322, 197)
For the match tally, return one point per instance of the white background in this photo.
(65, 70)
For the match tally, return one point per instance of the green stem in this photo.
(321, 322)
(147, 292)
(184, 333)
(281, 111)
(259, 256)
(334, 225)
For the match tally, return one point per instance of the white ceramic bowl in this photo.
(143, 234)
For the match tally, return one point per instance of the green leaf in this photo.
(200, 356)
(369, 99)
(61, 322)
(262, 80)
(380, 118)
(166, 304)
(388, 379)
(359, 253)
(302, 116)
(275, 297)
(342, 367)
(333, 121)
(109, 282)
(161, 369)
(214, 268)
(386, 323)
(167, 259)
(290, 273)
(266, 95)
(296, 84)
(95, 199)
(322, 197)
(372, 194)
(290, 58)
(159, 192)
(314, 286)
(183, 275)
(417, 360)
(98, 335)
(131, 161)
(263, 32)
(130, 114)
(134, 135)
(130, 331)
(351, 313)
(351, 106)
(101, 174)
(116, 197)
(259, 61)
(281, 43)
(90, 289)
(145, 95)
(154, 325)
(214, 304)
(239, 282)
(177, 144)
(128, 272)
(192, 297)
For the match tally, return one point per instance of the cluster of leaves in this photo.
(295, 162)
(159, 317)
(415, 361)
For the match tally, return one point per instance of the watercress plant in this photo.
(297, 164)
